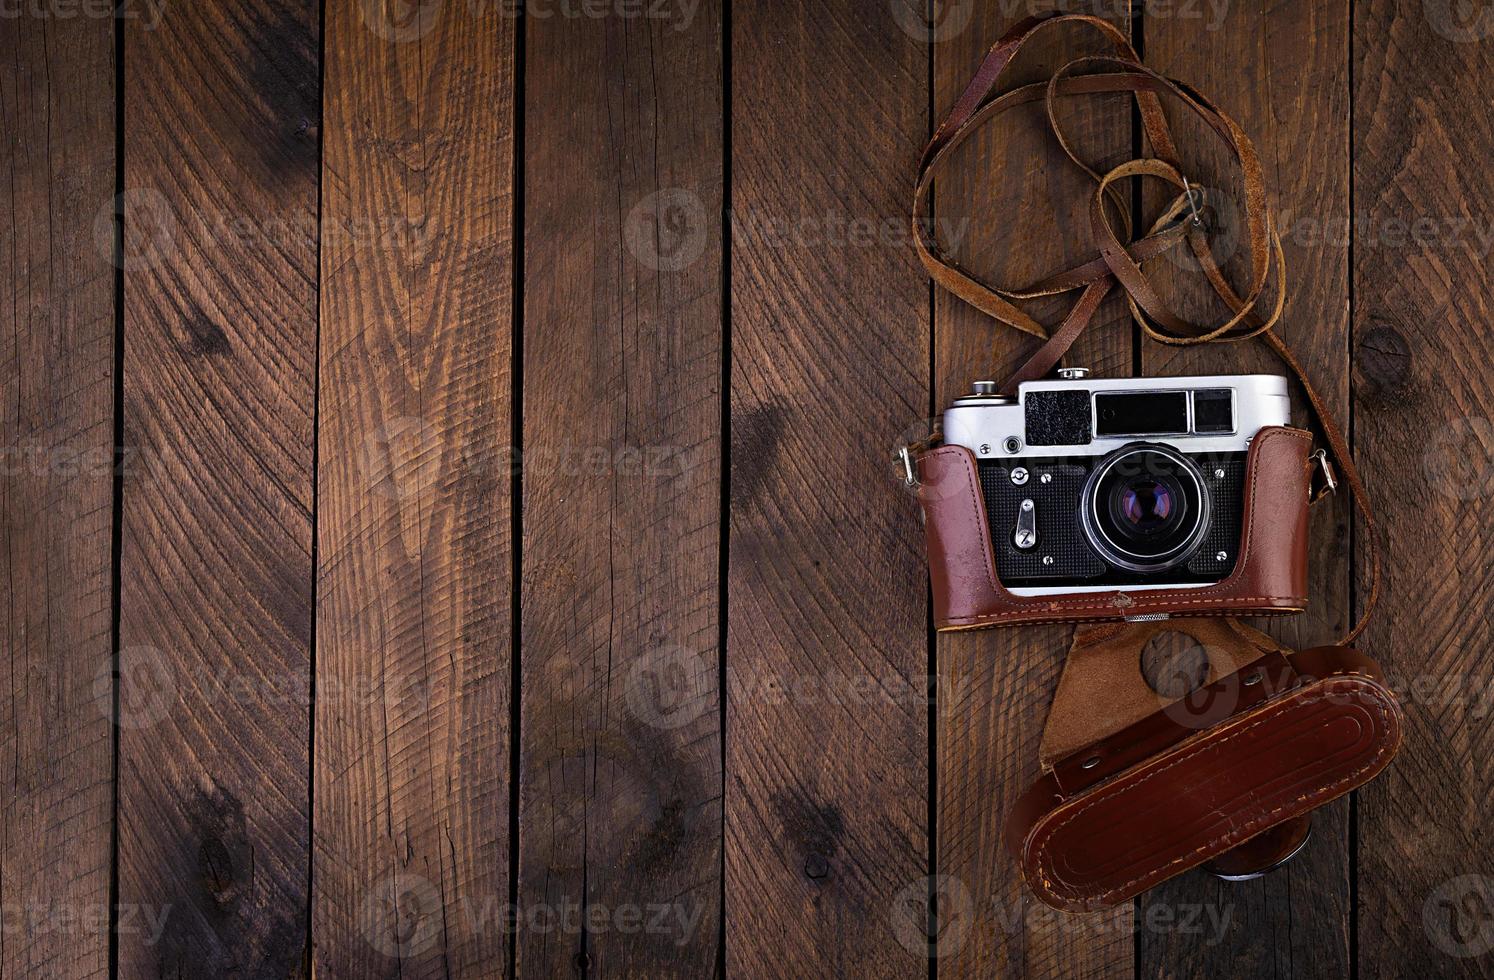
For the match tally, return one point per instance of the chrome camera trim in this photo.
(984, 424)
(995, 428)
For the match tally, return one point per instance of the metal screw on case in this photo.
(1218, 474)
(1222, 556)
(1019, 476)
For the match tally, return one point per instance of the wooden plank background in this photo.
(446, 514)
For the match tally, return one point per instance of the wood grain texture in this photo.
(1024, 209)
(221, 106)
(1282, 74)
(1423, 400)
(56, 493)
(827, 798)
(411, 824)
(620, 775)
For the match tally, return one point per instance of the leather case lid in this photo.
(1270, 577)
(1092, 834)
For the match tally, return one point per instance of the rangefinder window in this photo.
(1213, 410)
(1141, 413)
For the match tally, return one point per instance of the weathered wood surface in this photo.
(620, 742)
(504, 512)
(827, 814)
(414, 587)
(1423, 399)
(221, 104)
(57, 370)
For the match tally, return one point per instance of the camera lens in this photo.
(1145, 508)
(1146, 505)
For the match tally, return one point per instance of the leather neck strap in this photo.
(1120, 256)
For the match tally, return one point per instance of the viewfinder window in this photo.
(1141, 413)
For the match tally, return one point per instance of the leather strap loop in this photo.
(1120, 257)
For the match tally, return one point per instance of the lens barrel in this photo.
(1145, 508)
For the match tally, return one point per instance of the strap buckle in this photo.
(1325, 468)
(1198, 221)
(906, 457)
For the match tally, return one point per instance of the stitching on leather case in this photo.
(1045, 866)
(1061, 606)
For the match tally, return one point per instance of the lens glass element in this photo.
(1146, 504)
(1145, 507)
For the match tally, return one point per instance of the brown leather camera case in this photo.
(1270, 576)
(1133, 793)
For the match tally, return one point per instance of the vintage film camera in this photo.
(1114, 485)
